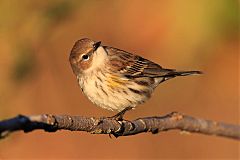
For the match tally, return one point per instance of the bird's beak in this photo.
(96, 45)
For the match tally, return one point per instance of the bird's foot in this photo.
(119, 116)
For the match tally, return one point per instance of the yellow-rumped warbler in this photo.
(115, 79)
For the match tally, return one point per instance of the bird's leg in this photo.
(119, 116)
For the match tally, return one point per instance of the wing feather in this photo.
(134, 66)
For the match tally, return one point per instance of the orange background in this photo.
(36, 38)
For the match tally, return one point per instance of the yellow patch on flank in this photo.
(116, 82)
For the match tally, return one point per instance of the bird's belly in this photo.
(114, 97)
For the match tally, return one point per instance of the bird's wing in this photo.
(134, 66)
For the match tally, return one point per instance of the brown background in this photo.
(36, 38)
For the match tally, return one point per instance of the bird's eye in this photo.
(85, 57)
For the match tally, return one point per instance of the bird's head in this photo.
(86, 55)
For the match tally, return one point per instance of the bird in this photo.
(115, 79)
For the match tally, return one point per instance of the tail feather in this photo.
(182, 73)
(174, 73)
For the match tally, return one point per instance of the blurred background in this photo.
(35, 41)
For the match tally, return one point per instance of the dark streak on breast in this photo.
(96, 84)
(141, 92)
(135, 91)
(142, 83)
(125, 92)
(99, 79)
(103, 90)
(130, 101)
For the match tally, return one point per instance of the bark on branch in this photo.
(172, 121)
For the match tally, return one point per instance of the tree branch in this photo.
(173, 121)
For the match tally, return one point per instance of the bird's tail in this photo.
(182, 73)
(173, 73)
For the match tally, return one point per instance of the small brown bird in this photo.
(115, 79)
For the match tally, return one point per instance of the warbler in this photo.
(114, 79)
